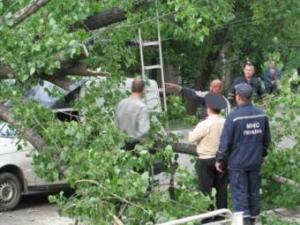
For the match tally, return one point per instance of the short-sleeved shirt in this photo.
(207, 135)
(132, 117)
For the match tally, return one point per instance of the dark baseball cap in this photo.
(244, 90)
(215, 101)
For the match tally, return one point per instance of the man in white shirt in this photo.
(206, 136)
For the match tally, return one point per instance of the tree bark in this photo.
(183, 148)
(285, 181)
(77, 68)
(62, 82)
(109, 17)
(59, 77)
(29, 10)
(103, 19)
(201, 82)
(31, 135)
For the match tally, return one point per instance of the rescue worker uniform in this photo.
(244, 142)
(206, 136)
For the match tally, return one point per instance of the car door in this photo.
(14, 151)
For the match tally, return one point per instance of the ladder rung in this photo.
(153, 67)
(151, 43)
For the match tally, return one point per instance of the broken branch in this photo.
(31, 135)
(284, 180)
(29, 10)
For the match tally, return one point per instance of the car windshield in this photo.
(7, 131)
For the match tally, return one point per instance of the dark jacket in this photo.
(254, 82)
(199, 97)
(245, 138)
(191, 94)
(268, 78)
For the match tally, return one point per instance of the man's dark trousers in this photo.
(245, 185)
(210, 178)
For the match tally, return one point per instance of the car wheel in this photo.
(10, 191)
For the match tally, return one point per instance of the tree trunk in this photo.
(109, 17)
(104, 19)
(31, 135)
(202, 82)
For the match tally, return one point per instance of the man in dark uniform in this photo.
(244, 142)
(248, 78)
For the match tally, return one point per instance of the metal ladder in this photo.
(159, 66)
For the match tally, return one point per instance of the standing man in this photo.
(132, 115)
(248, 78)
(244, 142)
(216, 87)
(206, 136)
(271, 77)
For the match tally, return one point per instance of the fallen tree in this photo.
(52, 41)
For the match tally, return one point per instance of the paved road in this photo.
(34, 209)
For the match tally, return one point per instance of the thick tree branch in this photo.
(59, 78)
(31, 135)
(104, 19)
(78, 69)
(185, 148)
(62, 82)
(117, 221)
(108, 17)
(285, 181)
(82, 70)
(29, 10)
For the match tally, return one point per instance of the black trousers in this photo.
(210, 178)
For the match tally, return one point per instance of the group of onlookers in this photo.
(232, 149)
(231, 145)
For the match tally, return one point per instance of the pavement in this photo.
(34, 209)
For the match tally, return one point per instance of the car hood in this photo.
(10, 145)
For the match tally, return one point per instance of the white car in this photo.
(17, 174)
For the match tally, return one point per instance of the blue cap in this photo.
(215, 101)
(244, 90)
